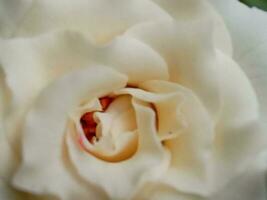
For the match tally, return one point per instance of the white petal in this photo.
(190, 10)
(133, 58)
(170, 120)
(191, 150)
(7, 192)
(248, 27)
(248, 185)
(189, 53)
(122, 179)
(239, 134)
(45, 167)
(11, 14)
(101, 19)
(30, 64)
(116, 130)
(159, 191)
(8, 158)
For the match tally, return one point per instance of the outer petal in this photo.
(190, 10)
(122, 179)
(248, 185)
(11, 14)
(240, 136)
(45, 167)
(30, 64)
(190, 166)
(189, 53)
(159, 191)
(248, 27)
(170, 121)
(101, 19)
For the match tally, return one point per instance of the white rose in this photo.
(129, 100)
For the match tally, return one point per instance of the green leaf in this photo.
(262, 4)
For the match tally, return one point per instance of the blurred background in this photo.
(262, 4)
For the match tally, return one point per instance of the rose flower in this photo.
(125, 100)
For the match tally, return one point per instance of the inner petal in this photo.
(169, 120)
(109, 133)
(88, 122)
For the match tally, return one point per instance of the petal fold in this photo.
(46, 168)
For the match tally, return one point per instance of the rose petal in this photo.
(30, 64)
(7, 192)
(189, 10)
(8, 158)
(116, 130)
(170, 121)
(190, 166)
(249, 42)
(249, 185)
(246, 186)
(11, 13)
(189, 53)
(239, 134)
(45, 167)
(101, 19)
(145, 164)
(160, 191)
(133, 58)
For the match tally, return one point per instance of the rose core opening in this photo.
(88, 123)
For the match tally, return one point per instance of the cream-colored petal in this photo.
(249, 42)
(190, 166)
(7, 192)
(240, 136)
(45, 167)
(122, 179)
(189, 53)
(101, 19)
(116, 138)
(160, 191)
(122, 114)
(133, 58)
(11, 14)
(8, 159)
(30, 64)
(7, 156)
(190, 10)
(251, 184)
(170, 121)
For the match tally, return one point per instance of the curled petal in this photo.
(29, 65)
(101, 19)
(146, 164)
(191, 159)
(45, 167)
(11, 14)
(190, 10)
(189, 53)
(240, 136)
(249, 42)
(170, 121)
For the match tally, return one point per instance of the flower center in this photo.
(87, 120)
